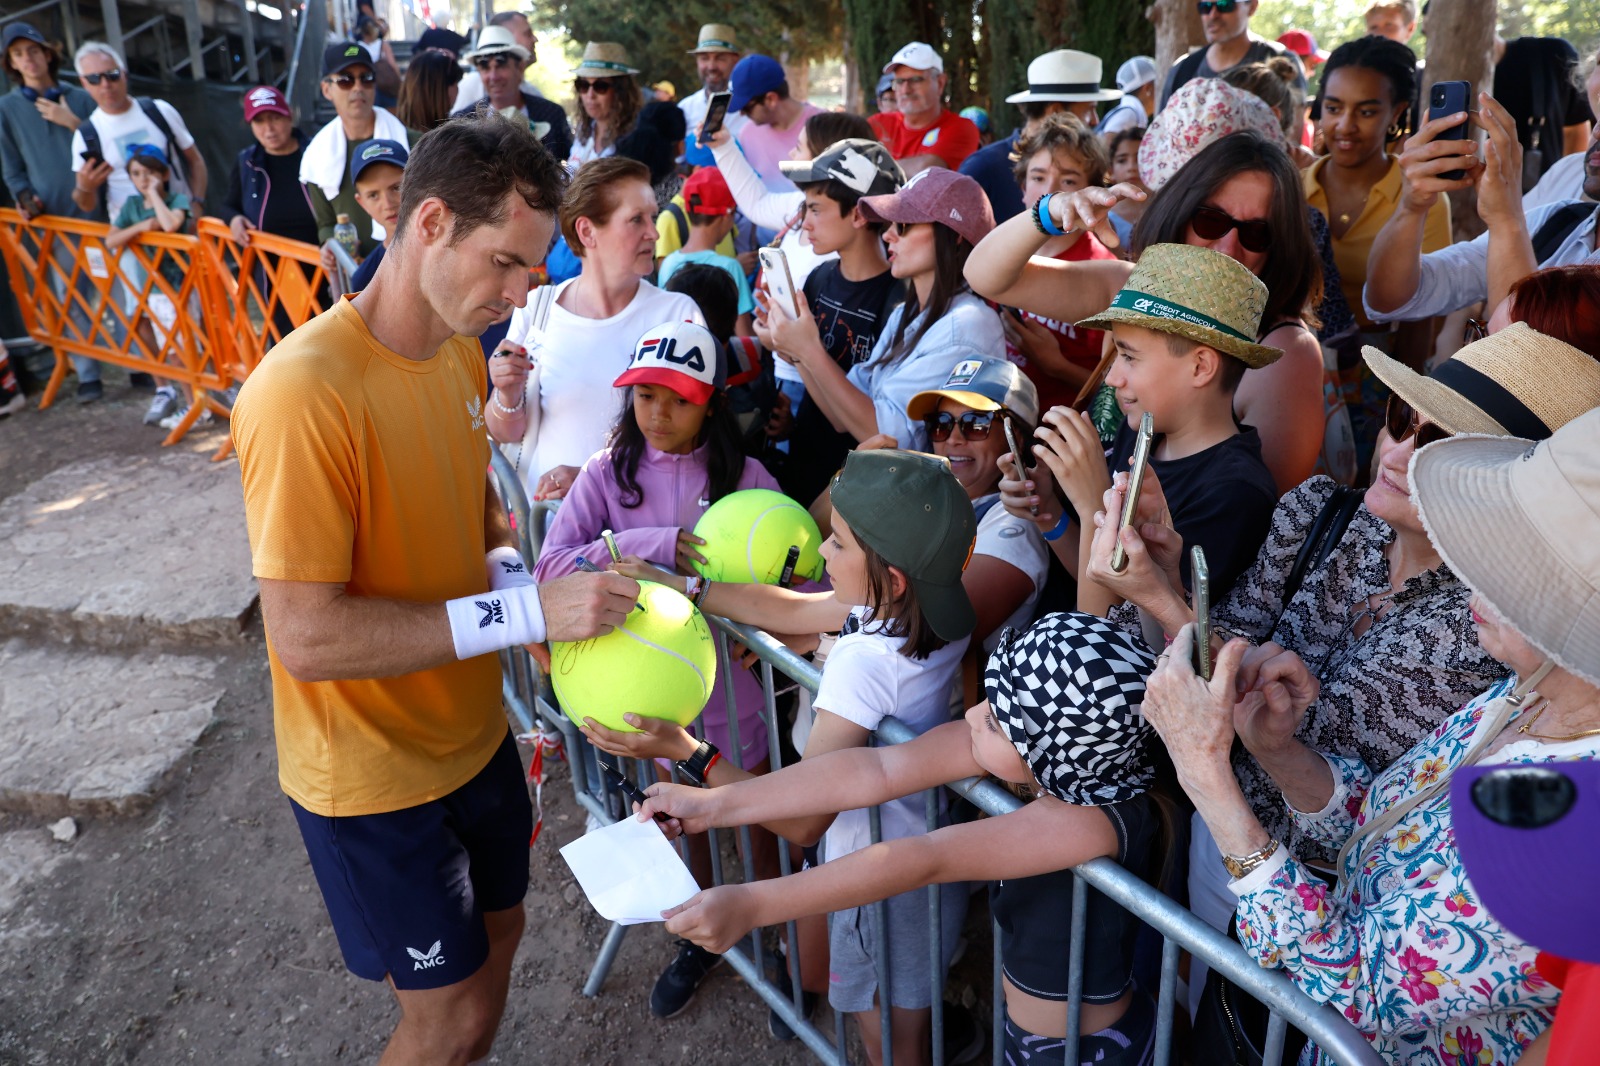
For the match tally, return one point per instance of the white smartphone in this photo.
(780, 283)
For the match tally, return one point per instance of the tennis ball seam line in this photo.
(749, 541)
(668, 651)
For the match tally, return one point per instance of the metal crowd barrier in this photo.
(529, 700)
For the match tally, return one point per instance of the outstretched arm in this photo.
(1003, 267)
(1043, 836)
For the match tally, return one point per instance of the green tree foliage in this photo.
(658, 35)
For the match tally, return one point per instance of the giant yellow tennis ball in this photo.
(660, 663)
(748, 535)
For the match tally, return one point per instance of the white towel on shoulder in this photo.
(326, 157)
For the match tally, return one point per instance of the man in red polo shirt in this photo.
(923, 133)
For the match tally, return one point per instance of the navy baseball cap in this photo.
(342, 54)
(376, 151)
(21, 31)
(753, 77)
(441, 38)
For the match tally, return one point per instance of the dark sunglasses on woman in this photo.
(348, 81)
(112, 75)
(1221, 7)
(975, 425)
(1402, 420)
(599, 85)
(1211, 224)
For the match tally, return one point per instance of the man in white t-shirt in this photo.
(714, 53)
(120, 123)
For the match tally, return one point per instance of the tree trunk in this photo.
(1460, 37)
(1178, 29)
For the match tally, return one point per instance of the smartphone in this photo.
(92, 158)
(1024, 457)
(1130, 504)
(1449, 98)
(1200, 578)
(715, 115)
(780, 283)
(1014, 312)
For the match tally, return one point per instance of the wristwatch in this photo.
(1239, 866)
(696, 766)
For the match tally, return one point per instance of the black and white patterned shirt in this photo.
(1414, 667)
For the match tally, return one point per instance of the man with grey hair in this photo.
(471, 90)
(100, 150)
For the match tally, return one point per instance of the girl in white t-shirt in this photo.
(902, 531)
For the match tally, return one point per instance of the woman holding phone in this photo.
(934, 222)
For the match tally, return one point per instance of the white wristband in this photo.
(494, 620)
(506, 569)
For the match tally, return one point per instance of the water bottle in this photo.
(345, 235)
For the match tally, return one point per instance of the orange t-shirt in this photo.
(951, 137)
(367, 469)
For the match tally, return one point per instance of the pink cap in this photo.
(936, 195)
(264, 98)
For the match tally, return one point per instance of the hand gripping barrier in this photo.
(214, 306)
(528, 698)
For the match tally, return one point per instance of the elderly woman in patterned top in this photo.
(1382, 624)
(1402, 945)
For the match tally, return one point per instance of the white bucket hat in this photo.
(1066, 75)
(1516, 521)
(496, 40)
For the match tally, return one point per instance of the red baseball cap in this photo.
(683, 356)
(707, 193)
(264, 98)
(1302, 44)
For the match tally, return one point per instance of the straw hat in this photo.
(604, 59)
(1514, 383)
(1518, 525)
(1195, 293)
(715, 37)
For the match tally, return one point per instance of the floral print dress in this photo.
(1402, 946)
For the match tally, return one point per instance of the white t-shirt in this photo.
(578, 360)
(1003, 536)
(118, 133)
(866, 679)
(584, 152)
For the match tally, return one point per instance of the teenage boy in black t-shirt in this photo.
(849, 298)
(1184, 328)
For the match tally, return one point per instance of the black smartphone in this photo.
(91, 158)
(1449, 98)
(715, 115)
(1130, 504)
(1014, 312)
(1200, 578)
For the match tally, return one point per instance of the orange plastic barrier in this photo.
(214, 306)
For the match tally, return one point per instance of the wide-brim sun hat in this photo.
(1202, 112)
(495, 41)
(1065, 76)
(1516, 522)
(1516, 382)
(1198, 293)
(604, 59)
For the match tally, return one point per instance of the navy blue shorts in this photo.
(407, 889)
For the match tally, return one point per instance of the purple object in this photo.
(1527, 834)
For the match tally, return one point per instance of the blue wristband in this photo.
(1061, 528)
(1047, 223)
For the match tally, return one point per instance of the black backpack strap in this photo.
(1556, 228)
(174, 153)
(1321, 539)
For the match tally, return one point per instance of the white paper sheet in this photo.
(629, 871)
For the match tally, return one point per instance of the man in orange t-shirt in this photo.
(923, 133)
(388, 583)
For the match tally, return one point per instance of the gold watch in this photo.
(1239, 866)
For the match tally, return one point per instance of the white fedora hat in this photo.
(1065, 75)
(496, 40)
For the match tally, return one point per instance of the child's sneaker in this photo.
(13, 405)
(172, 420)
(162, 404)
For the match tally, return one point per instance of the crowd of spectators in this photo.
(1253, 249)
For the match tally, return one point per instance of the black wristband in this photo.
(696, 765)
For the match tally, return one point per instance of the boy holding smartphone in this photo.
(850, 297)
(1184, 327)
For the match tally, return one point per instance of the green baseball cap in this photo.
(910, 509)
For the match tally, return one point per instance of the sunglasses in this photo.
(903, 228)
(1474, 331)
(599, 85)
(975, 425)
(1211, 224)
(1526, 797)
(491, 62)
(348, 81)
(1221, 7)
(112, 75)
(1402, 420)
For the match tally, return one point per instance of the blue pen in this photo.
(588, 567)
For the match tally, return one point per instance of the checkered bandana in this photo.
(1067, 693)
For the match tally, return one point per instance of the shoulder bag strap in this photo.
(1323, 536)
